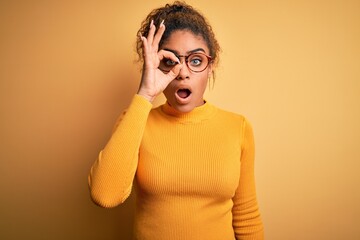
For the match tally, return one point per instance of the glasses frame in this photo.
(209, 58)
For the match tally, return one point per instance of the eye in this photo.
(169, 62)
(195, 61)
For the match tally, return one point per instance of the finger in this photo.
(145, 48)
(144, 42)
(150, 36)
(174, 72)
(158, 35)
(169, 55)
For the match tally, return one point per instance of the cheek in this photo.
(170, 86)
(201, 84)
(166, 91)
(169, 90)
(204, 80)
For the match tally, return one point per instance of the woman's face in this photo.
(186, 91)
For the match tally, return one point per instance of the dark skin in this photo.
(180, 79)
(153, 80)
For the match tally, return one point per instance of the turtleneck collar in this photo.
(198, 114)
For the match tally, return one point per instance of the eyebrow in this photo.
(188, 52)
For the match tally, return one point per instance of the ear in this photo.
(210, 70)
(211, 76)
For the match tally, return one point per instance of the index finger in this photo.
(169, 55)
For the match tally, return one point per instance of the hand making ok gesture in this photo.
(153, 80)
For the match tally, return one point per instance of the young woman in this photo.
(191, 163)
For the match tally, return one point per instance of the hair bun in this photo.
(177, 8)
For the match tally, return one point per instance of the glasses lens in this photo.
(197, 62)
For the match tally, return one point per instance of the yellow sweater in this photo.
(193, 173)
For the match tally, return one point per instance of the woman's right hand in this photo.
(153, 80)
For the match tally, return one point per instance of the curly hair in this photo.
(179, 16)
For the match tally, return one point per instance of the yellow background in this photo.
(291, 67)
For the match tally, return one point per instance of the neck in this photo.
(200, 113)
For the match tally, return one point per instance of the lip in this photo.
(181, 100)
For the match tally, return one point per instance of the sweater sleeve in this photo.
(111, 176)
(247, 222)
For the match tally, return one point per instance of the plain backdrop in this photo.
(67, 70)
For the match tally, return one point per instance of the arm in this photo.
(111, 176)
(247, 222)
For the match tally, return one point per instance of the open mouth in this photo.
(183, 93)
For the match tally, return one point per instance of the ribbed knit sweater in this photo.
(193, 173)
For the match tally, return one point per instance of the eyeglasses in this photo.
(196, 62)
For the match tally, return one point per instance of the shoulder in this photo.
(232, 119)
(231, 116)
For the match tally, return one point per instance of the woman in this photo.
(191, 163)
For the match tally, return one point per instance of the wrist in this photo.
(146, 96)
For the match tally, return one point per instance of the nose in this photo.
(184, 71)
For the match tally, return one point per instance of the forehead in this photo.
(184, 41)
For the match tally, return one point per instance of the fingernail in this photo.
(162, 23)
(141, 36)
(151, 23)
